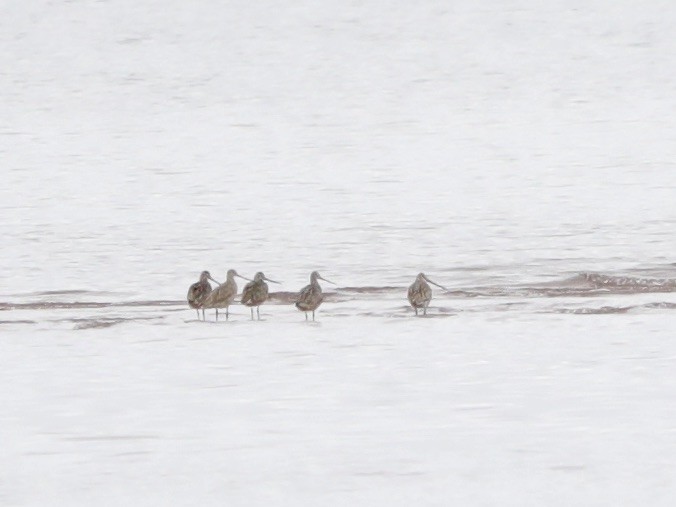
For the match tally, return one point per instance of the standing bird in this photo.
(223, 295)
(311, 296)
(198, 292)
(255, 293)
(420, 293)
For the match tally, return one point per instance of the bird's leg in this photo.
(258, 312)
(313, 315)
(204, 315)
(416, 310)
(252, 313)
(305, 316)
(226, 313)
(198, 313)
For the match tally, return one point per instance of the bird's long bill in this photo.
(434, 283)
(329, 281)
(244, 278)
(218, 283)
(272, 281)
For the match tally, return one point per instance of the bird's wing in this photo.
(304, 293)
(213, 296)
(194, 292)
(419, 293)
(412, 290)
(247, 292)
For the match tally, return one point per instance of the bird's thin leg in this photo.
(226, 313)
(216, 314)
(204, 315)
(416, 310)
(313, 315)
(252, 313)
(198, 313)
(258, 312)
(305, 316)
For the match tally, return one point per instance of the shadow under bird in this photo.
(256, 293)
(310, 297)
(223, 295)
(420, 293)
(198, 292)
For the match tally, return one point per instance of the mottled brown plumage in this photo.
(420, 293)
(310, 297)
(256, 293)
(198, 292)
(223, 295)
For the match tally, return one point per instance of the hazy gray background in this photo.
(145, 141)
(509, 145)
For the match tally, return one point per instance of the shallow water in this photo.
(142, 147)
(520, 154)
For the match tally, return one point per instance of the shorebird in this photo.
(223, 295)
(310, 297)
(420, 293)
(255, 293)
(198, 291)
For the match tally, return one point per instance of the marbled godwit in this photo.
(198, 291)
(255, 293)
(420, 293)
(311, 296)
(223, 295)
